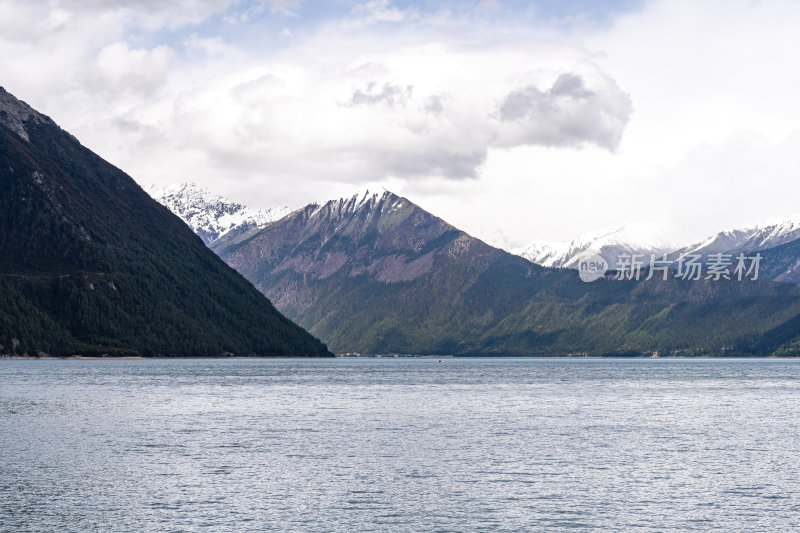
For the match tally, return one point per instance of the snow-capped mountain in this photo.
(352, 203)
(210, 215)
(768, 234)
(646, 238)
(632, 238)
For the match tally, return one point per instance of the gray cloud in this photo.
(389, 94)
(568, 114)
(434, 105)
(454, 164)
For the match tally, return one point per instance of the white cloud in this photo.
(685, 108)
(377, 11)
(120, 70)
(244, 12)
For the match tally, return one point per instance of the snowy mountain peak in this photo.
(364, 197)
(355, 202)
(210, 215)
(643, 238)
(660, 238)
(767, 234)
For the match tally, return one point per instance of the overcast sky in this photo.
(535, 119)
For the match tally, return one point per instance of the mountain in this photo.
(782, 263)
(375, 273)
(768, 234)
(646, 239)
(640, 238)
(90, 264)
(210, 215)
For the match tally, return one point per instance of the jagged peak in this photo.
(209, 214)
(765, 234)
(366, 196)
(15, 113)
(186, 188)
(361, 199)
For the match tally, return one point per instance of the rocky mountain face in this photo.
(17, 115)
(374, 273)
(90, 264)
(782, 263)
(210, 215)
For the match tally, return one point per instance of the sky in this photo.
(511, 120)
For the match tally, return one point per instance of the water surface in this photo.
(400, 445)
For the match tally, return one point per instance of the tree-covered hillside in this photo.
(90, 264)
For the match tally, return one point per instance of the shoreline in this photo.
(380, 356)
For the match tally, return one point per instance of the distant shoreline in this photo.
(154, 357)
(382, 356)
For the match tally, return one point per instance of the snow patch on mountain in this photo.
(646, 239)
(768, 234)
(210, 215)
(640, 238)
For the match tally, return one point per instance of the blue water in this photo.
(400, 445)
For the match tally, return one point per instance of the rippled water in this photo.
(400, 445)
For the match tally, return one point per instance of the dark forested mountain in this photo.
(377, 274)
(90, 264)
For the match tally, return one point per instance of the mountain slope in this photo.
(90, 264)
(211, 216)
(782, 263)
(375, 273)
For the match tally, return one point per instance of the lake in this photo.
(400, 445)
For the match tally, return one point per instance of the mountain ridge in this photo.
(768, 234)
(610, 243)
(615, 242)
(210, 215)
(377, 274)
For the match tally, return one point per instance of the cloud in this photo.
(348, 100)
(119, 70)
(250, 11)
(501, 100)
(450, 163)
(568, 114)
(286, 7)
(378, 11)
(151, 15)
(389, 94)
(279, 120)
(434, 104)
